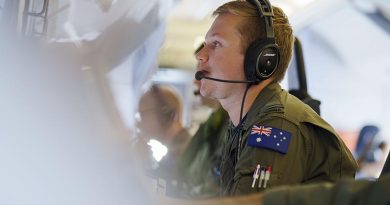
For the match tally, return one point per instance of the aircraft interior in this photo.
(74, 73)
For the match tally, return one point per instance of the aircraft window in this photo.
(1, 7)
(35, 20)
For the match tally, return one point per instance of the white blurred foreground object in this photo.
(61, 139)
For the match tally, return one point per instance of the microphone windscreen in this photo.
(199, 75)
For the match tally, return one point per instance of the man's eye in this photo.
(216, 44)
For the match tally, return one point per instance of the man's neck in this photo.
(233, 105)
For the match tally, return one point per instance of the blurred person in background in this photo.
(160, 125)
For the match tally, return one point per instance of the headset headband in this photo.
(266, 12)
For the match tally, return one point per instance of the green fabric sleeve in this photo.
(343, 192)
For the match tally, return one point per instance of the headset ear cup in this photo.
(261, 60)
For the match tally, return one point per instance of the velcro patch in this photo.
(270, 138)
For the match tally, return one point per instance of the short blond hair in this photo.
(249, 31)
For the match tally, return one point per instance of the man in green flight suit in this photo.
(274, 139)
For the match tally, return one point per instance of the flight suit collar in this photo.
(260, 102)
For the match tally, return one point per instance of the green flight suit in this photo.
(199, 164)
(341, 193)
(315, 152)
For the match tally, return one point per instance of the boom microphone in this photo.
(200, 75)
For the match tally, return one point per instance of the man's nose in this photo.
(202, 55)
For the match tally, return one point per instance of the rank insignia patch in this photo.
(269, 138)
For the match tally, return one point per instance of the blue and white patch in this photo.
(270, 138)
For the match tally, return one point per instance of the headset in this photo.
(262, 55)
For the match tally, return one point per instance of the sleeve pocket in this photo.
(243, 181)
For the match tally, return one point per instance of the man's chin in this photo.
(208, 95)
(204, 93)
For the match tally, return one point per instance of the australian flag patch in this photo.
(269, 138)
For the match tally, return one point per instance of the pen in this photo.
(261, 177)
(255, 175)
(267, 176)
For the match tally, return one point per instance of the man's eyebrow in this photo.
(214, 34)
(213, 37)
